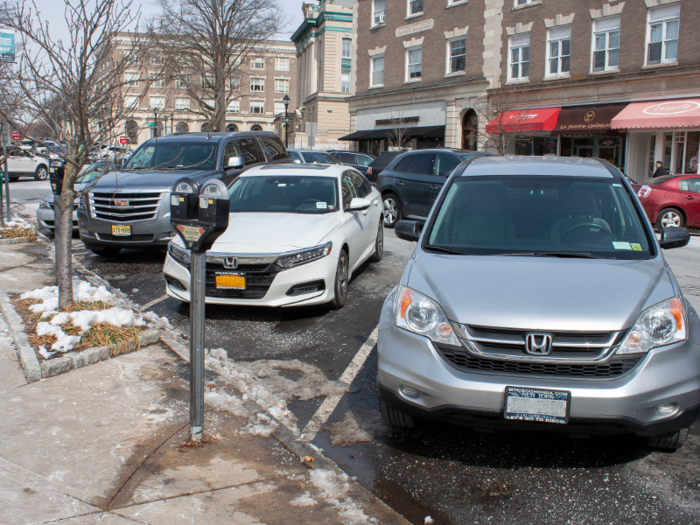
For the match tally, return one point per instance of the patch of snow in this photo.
(357, 426)
(334, 488)
(428, 520)
(45, 353)
(224, 401)
(305, 500)
(263, 427)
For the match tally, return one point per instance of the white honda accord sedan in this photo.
(296, 234)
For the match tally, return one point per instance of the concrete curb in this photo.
(17, 240)
(25, 353)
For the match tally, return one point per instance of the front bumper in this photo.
(46, 219)
(148, 233)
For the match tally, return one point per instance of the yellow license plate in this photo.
(119, 230)
(230, 282)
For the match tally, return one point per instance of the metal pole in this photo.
(197, 313)
(57, 213)
(7, 189)
(286, 127)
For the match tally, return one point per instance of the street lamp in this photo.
(286, 121)
(155, 122)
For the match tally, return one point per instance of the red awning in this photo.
(524, 120)
(658, 115)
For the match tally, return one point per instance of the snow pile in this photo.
(305, 500)
(224, 401)
(334, 488)
(263, 426)
(357, 426)
(16, 223)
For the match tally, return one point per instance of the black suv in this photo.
(359, 161)
(413, 180)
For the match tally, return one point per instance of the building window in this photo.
(415, 7)
(234, 106)
(519, 57)
(132, 79)
(456, 59)
(377, 77)
(414, 59)
(282, 64)
(606, 44)
(523, 2)
(182, 103)
(257, 84)
(279, 107)
(347, 48)
(345, 82)
(281, 85)
(257, 63)
(257, 107)
(157, 103)
(378, 9)
(183, 82)
(156, 60)
(233, 84)
(208, 81)
(156, 82)
(131, 102)
(559, 51)
(662, 36)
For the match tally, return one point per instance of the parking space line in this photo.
(154, 302)
(331, 402)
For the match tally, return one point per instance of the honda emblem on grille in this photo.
(538, 344)
(230, 263)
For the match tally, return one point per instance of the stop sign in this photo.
(16, 135)
(123, 139)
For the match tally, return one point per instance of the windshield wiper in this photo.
(573, 255)
(443, 249)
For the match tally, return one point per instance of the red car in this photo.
(672, 201)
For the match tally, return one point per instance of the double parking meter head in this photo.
(56, 178)
(199, 215)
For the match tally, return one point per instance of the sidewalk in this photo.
(103, 444)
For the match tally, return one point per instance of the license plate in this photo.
(120, 230)
(230, 281)
(533, 404)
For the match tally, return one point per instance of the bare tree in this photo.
(204, 42)
(507, 122)
(73, 88)
(397, 135)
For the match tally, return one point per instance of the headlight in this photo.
(421, 315)
(304, 256)
(658, 325)
(45, 205)
(179, 254)
(56, 163)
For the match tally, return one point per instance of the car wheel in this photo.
(41, 173)
(392, 210)
(670, 218)
(672, 441)
(14, 179)
(394, 417)
(378, 245)
(342, 278)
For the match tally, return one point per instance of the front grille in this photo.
(125, 238)
(462, 360)
(258, 279)
(125, 207)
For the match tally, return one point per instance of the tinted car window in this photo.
(178, 155)
(294, 155)
(250, 151)
(445, 164)
(422, 163)
(691, 185)
(318, 157)
(274, 148)
(364, 160)
(349, 190)
(284, 194)
(346, 158)
(362, 186)
(403, 164)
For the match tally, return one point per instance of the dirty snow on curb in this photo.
(305, 500)
(17, 222)
(334, 489)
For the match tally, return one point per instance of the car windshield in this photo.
(174, 155)
(539, 216)
(90, 173)
(284, 194)
(318, 157)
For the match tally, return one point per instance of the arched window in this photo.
(206, 127)
(182, 127)
(132, 131)
(232, 127)
(256, 127)
(470, 130)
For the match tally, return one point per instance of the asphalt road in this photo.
(455, 475)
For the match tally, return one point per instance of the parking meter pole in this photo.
(57, 213)
(7, 191)
(197, 313)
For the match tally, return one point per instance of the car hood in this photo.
(147, 179)
(541, 293)
(275, 232)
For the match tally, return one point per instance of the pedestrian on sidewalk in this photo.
(660, 170)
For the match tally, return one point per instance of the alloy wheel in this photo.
(671, 219)
(343, 276)
(391, 211)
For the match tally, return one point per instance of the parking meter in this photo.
(56, 178)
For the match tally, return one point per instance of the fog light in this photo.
(667, 409)
(409, 392)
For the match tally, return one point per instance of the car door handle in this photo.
(399, 183)
(434, 186)
(688, 197)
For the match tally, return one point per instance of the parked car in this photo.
(23, 163)
(296, 234)
(672, 201)
(130, 207)
(359, 161)
(411, 183)
(564, 315)
(380, 163)
(308, 156)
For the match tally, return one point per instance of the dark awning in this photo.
(587, 120)
(428, 132)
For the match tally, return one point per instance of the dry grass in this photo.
(105, 334)
(16, 232)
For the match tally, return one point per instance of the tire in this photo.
(670, 218)
(392, 210)
(378, 245)
(41, 173)
(672, 441)
(14, 179)
(342, 279)
(394, 417)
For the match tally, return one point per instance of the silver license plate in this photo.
(534, 404)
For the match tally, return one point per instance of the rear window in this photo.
(658, 180)
(318, 157)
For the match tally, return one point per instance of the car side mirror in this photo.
(235, 162)
(296, 161)
(358, 204)
(674, 238)
(409, 230)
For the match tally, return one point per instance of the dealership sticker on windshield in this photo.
(636, 247)
(621, 245)
(321, 205)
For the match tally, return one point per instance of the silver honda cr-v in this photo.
(538, 298)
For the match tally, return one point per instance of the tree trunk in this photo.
(63, 247)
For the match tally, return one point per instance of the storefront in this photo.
(374, 141)
(526, 131)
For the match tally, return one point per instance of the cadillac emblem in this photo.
(121, 202)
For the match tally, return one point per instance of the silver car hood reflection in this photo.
(540, 293)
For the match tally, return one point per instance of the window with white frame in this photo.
(456, 55)
(558, 51)
(414, 63)
(378, 11)
(345, 82)
(157, 82)
(208, 104)
(282, 64)
(132, 79)
(453, 2)
(131, 102)
(347, 48)
(281, 85)
(156, 60)
(377, 77)
(257, 63)
(233, 83)
(279, 107)
(519, 57)
(183, 82)
(257, 84)
(257, 107)
(234, 106)
(523, 2)
(182, 103)
(157, 103)
(606, 44)
(208, 81)
(415, 7)
(662, 34)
